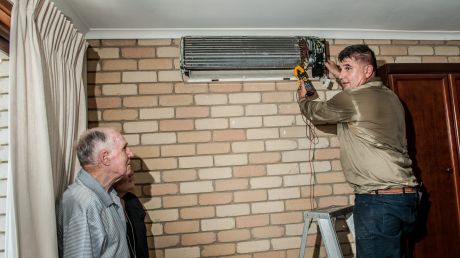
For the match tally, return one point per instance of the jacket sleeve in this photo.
(340, 108)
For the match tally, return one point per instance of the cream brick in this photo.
(274, 145)
(295, 180)
(158, 138)
(264, 133)
(211, 123)
(195, 162)
(176, 100)
(120, 114)
(155, 64)
(292, 131)
(177, 150)
(104, 77)
(213, 148)
(229, 135)
(156, 113)
(279, 120)
(434, 59)
(164, 215)
(217, 224)
(283, 193)
(277, 97)
(156, 88)
(168, 52)
(253, 246)
(294, 229)
(214, 198)
(215, 173)
(196, 136)
(246, 122)
(140, 101)
(231, 184)
(241, 98)
(319, 190)
(261, 109)
(248, 146)
(104, 102)
(224, 87)
(179, 175)
(286, 218)
(196, 187)
(348, 41)
(176, 125)
(192, 112)
(377, 41)
(420, 50)
(119, 89)
(316, 166)
(332, 200)
(151, 203)
(322, 142)
(169, 76)
(197, 212)
(181, 227)
(285, 243)
(119, 65)
(218, 250)
(227, 111)
(161, 163)
(252, 221)
(447, 50)
(331, 177)
(286, 109)
(140, 127)
(249, 171)
(198, 238)
(190, 88)
(344, 188)
(259, 86)
(297, 155)
(250, 196)
(166, 241)
(232, 210)
(132, 139)
(267, 232)
(103, 53)
(138, 52)
(179, 201)
(408, 59)
(267, 207)
(393, 50)
(262, 158)
(183, 252)
(139, 76)
(233, 235)
(266, 182)
(231, 160)
(210, 99)
(154, 42)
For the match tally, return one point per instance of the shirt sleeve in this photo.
(340, 108)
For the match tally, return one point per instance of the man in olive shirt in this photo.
(373, 151)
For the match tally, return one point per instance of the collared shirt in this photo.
(91, 221)
(372, 135)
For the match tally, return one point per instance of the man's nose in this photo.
(130, 153)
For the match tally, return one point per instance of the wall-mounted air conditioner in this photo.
(243, 58)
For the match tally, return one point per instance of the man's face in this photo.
(126, 183)
(120, 155)
(354, 73)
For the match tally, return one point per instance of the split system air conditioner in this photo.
(243, 58)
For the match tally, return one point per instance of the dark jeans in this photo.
(381, 220)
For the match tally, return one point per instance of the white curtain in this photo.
(47, 113)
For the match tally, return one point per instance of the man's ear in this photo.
(369, 70)
(103, 157)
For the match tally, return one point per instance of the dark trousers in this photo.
(381, 221)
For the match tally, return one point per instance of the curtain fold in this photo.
(47, 113)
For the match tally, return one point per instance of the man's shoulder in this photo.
(79, 195)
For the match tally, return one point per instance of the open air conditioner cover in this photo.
(249, 58)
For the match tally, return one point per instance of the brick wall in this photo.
(225, 169)
(4, 143)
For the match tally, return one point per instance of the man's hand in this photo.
(333, 68)
(301, 91)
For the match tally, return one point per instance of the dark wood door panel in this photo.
(433, 149)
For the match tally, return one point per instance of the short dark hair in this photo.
(88, 143)
(359, 52)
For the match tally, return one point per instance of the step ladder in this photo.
(325, 217)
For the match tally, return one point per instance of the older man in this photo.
(91, 221)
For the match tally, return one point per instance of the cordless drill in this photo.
(302, 78)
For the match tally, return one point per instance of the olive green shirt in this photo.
(371, 130)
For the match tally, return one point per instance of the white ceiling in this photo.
(392, 19)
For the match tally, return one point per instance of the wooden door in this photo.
(433, 146)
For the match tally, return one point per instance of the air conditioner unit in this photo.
(205, 59)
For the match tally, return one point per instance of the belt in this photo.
(402, 190)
